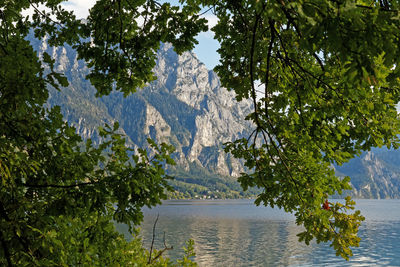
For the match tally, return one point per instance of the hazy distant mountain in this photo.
(187, 107)
(375, 174)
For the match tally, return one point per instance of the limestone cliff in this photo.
(187, 107)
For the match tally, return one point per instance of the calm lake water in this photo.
(237, 233)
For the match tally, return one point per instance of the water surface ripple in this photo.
(237, 233)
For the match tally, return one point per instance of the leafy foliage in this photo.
(329, 75)
(59, 195)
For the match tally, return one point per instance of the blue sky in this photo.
(206, 50)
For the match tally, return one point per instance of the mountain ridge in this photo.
(187, 107)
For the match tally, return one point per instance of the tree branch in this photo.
(383, 7)
(57, 186)
(272, 27)
(253, 90)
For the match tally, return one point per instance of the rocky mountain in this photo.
(187, 107)
(375, 174)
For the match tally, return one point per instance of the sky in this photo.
(206, 50)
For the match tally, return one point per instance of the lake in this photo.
(237, 233)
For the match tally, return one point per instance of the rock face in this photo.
(187, 107)
(214, 115)
(375, 174)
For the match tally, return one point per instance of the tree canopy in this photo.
(323, 76)
(330, 85)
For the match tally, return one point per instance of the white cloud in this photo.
(211, 18)
(80, 7)
(212, 21)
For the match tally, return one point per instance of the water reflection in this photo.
(236, 233)
(226, 242)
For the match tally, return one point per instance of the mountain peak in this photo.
(186, 106)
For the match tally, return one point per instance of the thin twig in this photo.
(162, 251)
(284, 164)
(201, 14)
(152, 240)
(44, 14)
